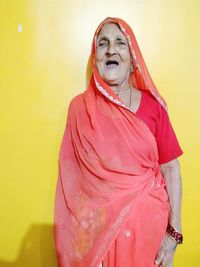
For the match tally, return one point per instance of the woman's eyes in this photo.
(121, 43)
(105, 43)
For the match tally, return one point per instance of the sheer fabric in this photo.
(108, 165)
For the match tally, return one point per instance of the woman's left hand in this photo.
(166, 252)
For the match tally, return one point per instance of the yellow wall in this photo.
(43, 67)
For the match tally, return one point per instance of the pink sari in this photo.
(108, 166)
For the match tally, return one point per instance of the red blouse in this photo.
(157, 119)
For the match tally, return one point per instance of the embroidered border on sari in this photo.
(108, 237)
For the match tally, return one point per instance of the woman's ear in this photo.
(132, 69)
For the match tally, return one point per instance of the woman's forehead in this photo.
(110, 29)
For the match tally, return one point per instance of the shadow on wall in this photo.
(37, 249)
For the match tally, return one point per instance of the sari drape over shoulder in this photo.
(108, 163)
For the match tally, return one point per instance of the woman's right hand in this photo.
(166, 252)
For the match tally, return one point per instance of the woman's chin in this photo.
(110, 80)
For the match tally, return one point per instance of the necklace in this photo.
(130, 96)
(118, 92)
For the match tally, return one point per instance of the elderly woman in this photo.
(118, 198)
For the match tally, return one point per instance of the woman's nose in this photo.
(111, 49)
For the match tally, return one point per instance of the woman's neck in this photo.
(118, 89)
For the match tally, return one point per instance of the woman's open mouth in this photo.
(112, 64)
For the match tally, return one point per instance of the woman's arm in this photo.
(171, 173)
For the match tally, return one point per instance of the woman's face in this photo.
(112, 55)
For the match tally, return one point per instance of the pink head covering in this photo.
(140, 78)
